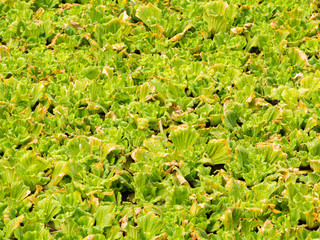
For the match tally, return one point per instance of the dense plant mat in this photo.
(179, 119)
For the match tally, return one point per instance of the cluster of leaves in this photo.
(181, 119)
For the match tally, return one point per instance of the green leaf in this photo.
(183, 137)
(218, 152)
(150, 225)
(48, 208)
(12, 225)
(149, 14)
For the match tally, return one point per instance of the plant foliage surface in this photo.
(180, 119)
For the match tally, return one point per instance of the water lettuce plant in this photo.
(178, 119)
